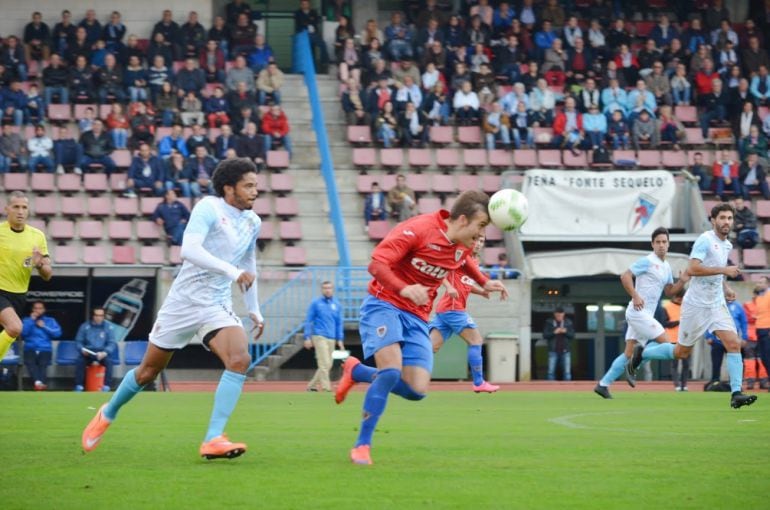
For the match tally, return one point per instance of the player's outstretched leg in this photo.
(374, 405)
(107, 413)
(633, 364)
(353, 371)
(616, 369)
(735, 369)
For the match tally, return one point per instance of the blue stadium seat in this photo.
(133, 352)
(12, 359)
(67, 353)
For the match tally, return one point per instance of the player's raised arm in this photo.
(202, 218)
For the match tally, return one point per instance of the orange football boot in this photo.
(361, 455)
(95, 429)
(222, 448)
(346, 382)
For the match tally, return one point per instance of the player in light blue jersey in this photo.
(218, 249)
(653, 277)
(704, 308)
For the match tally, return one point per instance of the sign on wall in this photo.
(576, 202)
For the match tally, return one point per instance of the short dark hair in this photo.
(558, 309)
(660, 231)
(96, 309)
(469, 203)
(229, 173)
(724, 206)
(326, 282)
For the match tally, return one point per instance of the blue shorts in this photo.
(382, 324)
(449, 323)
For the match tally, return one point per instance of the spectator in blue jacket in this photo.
(260, 55)
(95, 341)
(37, 332)
(717, 349)
(324, 326)
(14, 102)
(172, 215)
(146, 171)
(67, 151)
(173, 142)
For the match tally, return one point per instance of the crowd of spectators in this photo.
(184, 77)
(600, 74)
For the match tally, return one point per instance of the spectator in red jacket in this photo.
(212, 61)
(704, 78)
(568, 127)
(725, 172)
(275, 126)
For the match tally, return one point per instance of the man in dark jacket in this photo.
(751, 176)
(745, 225)
(559, 332)
(110, 79)
(56, 80)
(172, 215)
(97, 147)
(96, 343)
(146, 171)
(37, 332)
(37, 38)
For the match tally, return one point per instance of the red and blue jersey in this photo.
(416, 251)
(463, 283)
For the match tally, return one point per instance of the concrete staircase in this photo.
(270, 368)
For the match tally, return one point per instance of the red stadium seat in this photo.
(418, 182)
(277, 159)
(763, 209)
(709, 204)
(443, 183)
(104, 111)
(500, 159)
(174, 255)
(364, 182)
(491, 254)
(623, 155)
(491, 183)
(674, 159)
(734, 258)
(419, 158)
(766, 233)
(59, 112)
(16, 182)
(364, 157)
(755, 258)
(441, 135)
(64, 254)
(290, 231)
(360, 135)
(147, 205)
(80, 110)
(99, 206)
(73, 206)
(95, 183)
(90, 230)
(447, 158)
(61, 230)
(475, 158)
(469, 135)
(574, 161)
(119, 230)
(148, 231)
(286, 206)
(694, 136)
(122, 158)
(428, 205)
(294, 256)
(69, 183)
(387, 181)
(154, 255)
(118, 182)
(649, 158)
(94, 255)
(281, 183)
(42, 182)
(686, 114)
(126, 207)
(267, 231)
(543, 135)
(467, 181)
(391, 158)
(549, 157)
(37, 223)
(262, 183)
(262, 206)
(46, 206)
(525, 158)
(123, 255)
(378, 229)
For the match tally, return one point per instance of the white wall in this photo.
(139, 16)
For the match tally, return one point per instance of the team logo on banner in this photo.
(643, 209)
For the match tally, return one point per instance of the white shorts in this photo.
(178, 322)
(642, 326)
(695, 321)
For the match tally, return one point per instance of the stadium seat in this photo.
(391, 158)
(61, 230)
(294, 256)
(42, 182)
(118, 182)
(525, 158)
(67, 353)
(763, 209)
(364, 157)
(153, 255)
(90, 230)
(549, 157)
(281, 183)
(623, 155)
(73, 206)
(575, 161)
(500, 159)
(418, 182)
(387, 181)
(105, 109)
(694, 136)
(262, 206)
(174, 255)
(64, 254)
(649, 158)
(469, 135)
(147, 205)
(364, 182)
(267, 231)
(493, 233)
(99, 206)
(59, 113)
(148, 231)
(122, 158)
(542, 135)
(475, 158)
(686, 114)
(419, 158)
(278, 159)
(467, 181)
(37, 223)
(491, 183)
(16, 182)
(443, 183)
(123, 255)
(360, 135)
(119, 230)
(734, 258)
(94, 255)
(441, 135)
(133, 352)
(708, 159)
(491, 254)
(286, 206)
(80, 110)
(447, 158)
(766, 233)
(428, 205)
(378, 229)
(69, 183)
(709, 204)
(674, 159)
(290, 231)
(755, 258)
(95, 183)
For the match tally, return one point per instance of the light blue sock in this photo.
(658, 351)
(227, 395)
(363, 373)
(125, 392)
(616, 370)
(735, 369)
(375, 401)
(476, 364)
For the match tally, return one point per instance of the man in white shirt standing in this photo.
(40, 149)
(704, 308)
(218, 249)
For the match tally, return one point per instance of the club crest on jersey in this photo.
(458, 254)
(381, 331)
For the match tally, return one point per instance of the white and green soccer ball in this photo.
(508, 209)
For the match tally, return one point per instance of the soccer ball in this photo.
(508, 209)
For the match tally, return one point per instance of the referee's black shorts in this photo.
(17, 301)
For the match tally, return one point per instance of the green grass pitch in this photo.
(511, 450)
